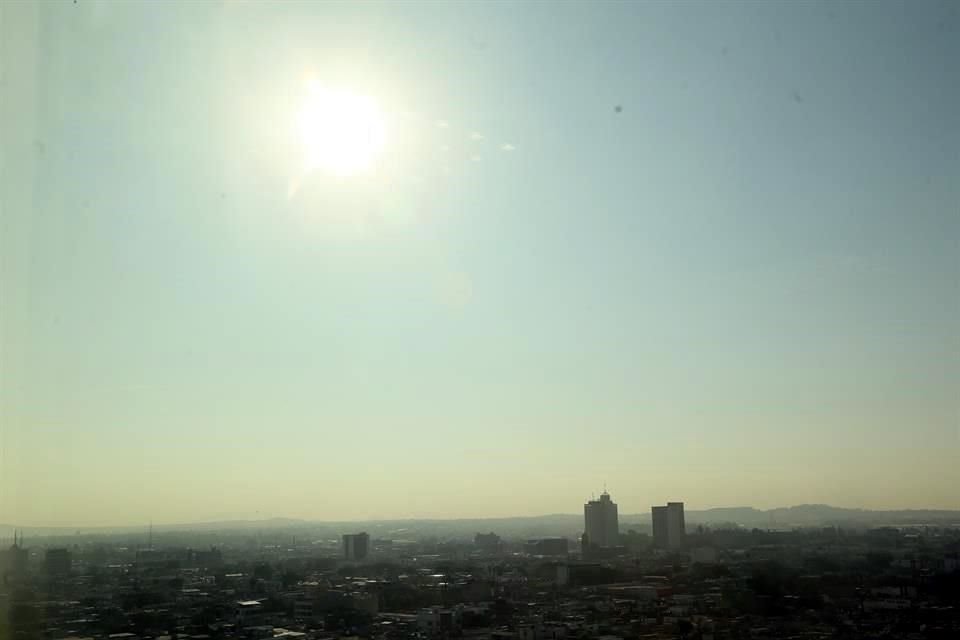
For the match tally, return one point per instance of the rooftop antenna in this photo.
(150, 537)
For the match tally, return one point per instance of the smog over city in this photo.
(437, 319)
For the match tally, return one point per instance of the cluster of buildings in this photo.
(14, 561)
(602, 527)
(601, 533)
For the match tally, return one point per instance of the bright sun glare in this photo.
(342, 133)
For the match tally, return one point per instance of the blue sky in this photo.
(742, 287)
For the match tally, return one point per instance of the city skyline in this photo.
(373, 260)
(723, 583)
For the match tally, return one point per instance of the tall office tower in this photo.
(676, 526)
(669, 526)
(661, 534)
(356, 546)
(601, 524)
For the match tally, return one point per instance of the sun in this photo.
(342, 133)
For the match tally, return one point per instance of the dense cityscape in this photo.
(663, 578)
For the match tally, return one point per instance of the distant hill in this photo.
(806, 515)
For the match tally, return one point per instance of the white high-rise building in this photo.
(601, 523)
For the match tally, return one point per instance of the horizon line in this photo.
(305, 520)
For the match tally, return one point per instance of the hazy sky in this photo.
(740, 288)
